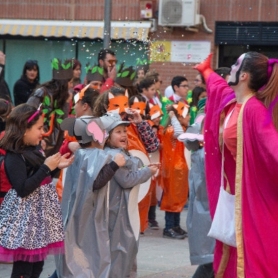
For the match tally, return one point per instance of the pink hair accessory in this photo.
(270, 110)
(270, 64)
(35, 114)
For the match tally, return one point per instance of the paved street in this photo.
(157, 257)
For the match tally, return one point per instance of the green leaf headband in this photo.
(94, 69)
(58, 65)
(140, 62)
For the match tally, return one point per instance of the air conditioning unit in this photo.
(179, 12)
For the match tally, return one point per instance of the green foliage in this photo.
(67, 66)
(46, 100)
(100, 70)
(132, 75)
(59, 112)
(87, 68)
(125, 73)
(143, 62)
(94, 69)
(72, 112)
(194, 109)
(48, 110)
(45, 111)
(55, 64)
(166, 101)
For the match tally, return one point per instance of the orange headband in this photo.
(117, 104)
(181, 108)
(140, 106)
(155, 111)
(80, 95)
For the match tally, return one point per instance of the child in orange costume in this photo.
(138, 103)
(140, 135)
(174, 171)
(155, 114)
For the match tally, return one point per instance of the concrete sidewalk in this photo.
(157, 257)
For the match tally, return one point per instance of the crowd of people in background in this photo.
(97, 157)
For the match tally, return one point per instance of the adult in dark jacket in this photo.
(27, 83)
(4, 89)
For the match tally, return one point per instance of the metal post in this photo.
(107, 24)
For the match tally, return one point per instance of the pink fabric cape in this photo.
(259, 183)
(220, 98)
(259, 192)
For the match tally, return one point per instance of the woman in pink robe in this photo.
(250, 162)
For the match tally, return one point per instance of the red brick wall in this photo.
(213, 10)
(68, 9)
(226, 10)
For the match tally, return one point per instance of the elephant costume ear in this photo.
(94, 129)
(78, 127)
(193, 137)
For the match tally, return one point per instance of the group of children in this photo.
(108, 196)
(95, 220)
(122, 143)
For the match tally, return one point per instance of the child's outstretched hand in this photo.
(134, 116)
(169, 107)
(53, 161)
(74, 146)
(119, 159)
(65, 162)
(171, 114)
(153, 168)
(205, 67)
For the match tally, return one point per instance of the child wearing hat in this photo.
(85, 200)
(124, 221)
(84, 102)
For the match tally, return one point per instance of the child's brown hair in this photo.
(5, 109)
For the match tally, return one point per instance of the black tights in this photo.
(204, 271)
(23, 269)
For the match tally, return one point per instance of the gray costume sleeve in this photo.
(178, 130)
(128, 179)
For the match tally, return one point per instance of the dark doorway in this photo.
(228, 54)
